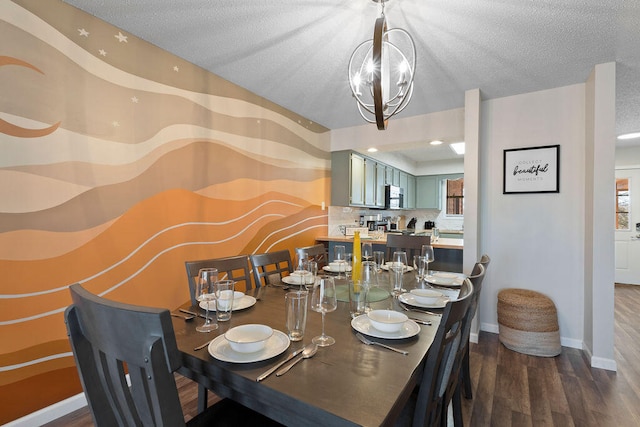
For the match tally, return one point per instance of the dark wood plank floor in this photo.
(512, 389)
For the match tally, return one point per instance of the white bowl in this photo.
(426, 296)
(387, 320)
(248, 338)
(444, 278)
(225, 296)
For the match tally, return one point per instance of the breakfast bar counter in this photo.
(441, 243)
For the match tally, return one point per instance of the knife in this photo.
(272, 370)
(192, 313)
(422, 322)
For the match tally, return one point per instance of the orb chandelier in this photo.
(381, 74)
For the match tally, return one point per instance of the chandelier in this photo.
(380, 74)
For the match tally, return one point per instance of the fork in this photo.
(388, 347)
(418, 310)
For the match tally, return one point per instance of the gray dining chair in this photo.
(463, 379)
(269, 268)
(428, 407)
(110, 339)
(316, 252)
(412, 245)
(235, 268)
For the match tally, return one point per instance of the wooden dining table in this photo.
(345, 384)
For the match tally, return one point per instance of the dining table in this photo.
(345, 384)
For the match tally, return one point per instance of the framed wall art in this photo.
(532, 170)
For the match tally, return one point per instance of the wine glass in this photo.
(323, 300)
(378, 259)
(367, 251)
(204, 291)
(427, 252)
(311, 267)
(421, 265)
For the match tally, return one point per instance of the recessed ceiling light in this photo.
(458, 147)
(372, 150)
(436, 142)
(631, 135)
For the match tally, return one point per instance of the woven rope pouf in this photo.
(528, 322)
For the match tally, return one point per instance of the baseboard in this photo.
(50, 413)
(600, 362)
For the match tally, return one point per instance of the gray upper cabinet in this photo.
(410, 192)
(369, 182)
(427, 192)
(357, 180)
(381, 171)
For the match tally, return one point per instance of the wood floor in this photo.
(512, 389)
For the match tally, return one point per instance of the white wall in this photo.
(628, 157)
(535, 240)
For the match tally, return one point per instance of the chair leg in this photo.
(466, 376)
(202, 398)
(456, 402)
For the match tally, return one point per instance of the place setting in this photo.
(249, 343)
(424, 298)
(386, 324)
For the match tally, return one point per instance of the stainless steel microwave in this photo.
(393, 197)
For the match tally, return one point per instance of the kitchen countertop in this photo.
(442, 243)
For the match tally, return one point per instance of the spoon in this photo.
(308, 352)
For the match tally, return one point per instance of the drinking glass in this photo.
(378, 259)
(427, 252)
(323, 300)
(367, 251)
(300, 259)
(369, 280)
(225, 291)
(204, 291)
(340, 256)
(421, 265)
(311, 267)
(398, 266)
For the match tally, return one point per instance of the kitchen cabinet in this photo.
(429, 190)
(381, 171)
(357, 181)
(369, 182)
(410, 193)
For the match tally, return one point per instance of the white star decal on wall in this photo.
(175, 68)
(121, 37)
(102, 52)
(83, 32)
(134, 100)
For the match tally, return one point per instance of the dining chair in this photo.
(412, 245)
(235, 268)
(269, 268)
(428, 406)
(110, 339)
(466, 374)
(461, 376)
(317, 252)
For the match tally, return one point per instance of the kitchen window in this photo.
(622, 204)
(454, 197)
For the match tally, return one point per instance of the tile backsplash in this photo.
(341, 215)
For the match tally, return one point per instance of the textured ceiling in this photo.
(295, 52)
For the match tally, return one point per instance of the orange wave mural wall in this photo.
(118, 162)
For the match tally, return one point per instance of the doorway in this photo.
(627, 234)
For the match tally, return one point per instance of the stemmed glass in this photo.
(427, 252)
(204, 291)
(323, 300)
(311, 267)
(421, 265)
(367, 251)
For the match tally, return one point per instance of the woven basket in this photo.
(528, 322)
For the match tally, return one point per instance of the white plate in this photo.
(363, 324)
(406, 269)
(434, 279)
(408, 298)
(221, 350)
(334, 270)
(296, 280)
(240, 304)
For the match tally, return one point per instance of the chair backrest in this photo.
(235, 268)
(317, 252)
(270, 267)
(485, 260)
(440, 362)
(412, 245)
(105, 336)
